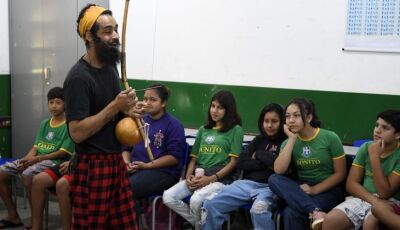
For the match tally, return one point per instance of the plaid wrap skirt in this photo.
(101, 195)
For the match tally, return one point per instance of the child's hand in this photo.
(376, 148)
(203, 181)
(289, 133)
(190, 183)
(139, 165)
(64, 167)
(20, 166)
(130, 168)
(136, 111)
(29, 160)
(306, 188)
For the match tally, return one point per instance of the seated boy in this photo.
(52, 145)
(58, 176)
(374, 175)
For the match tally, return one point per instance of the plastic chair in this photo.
(358, 143)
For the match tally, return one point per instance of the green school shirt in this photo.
(212, 147)
(52, 138)
(314, 157)
(390, 164)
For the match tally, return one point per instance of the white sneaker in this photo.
(317, 218)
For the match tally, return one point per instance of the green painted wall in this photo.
(350, 115)
(5, 111)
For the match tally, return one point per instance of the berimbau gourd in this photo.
(130, 131)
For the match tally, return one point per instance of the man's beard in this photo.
(108, 54)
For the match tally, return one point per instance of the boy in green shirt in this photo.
(374, 176)
(52, 146)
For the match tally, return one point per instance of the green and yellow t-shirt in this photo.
(390, 164)
(52, 138)
(314, 157)
(212, 147)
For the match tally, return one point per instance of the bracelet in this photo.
(216, 175)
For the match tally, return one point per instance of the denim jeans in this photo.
(231, 197)
(173, 199)
(159, 181)
(300, 204)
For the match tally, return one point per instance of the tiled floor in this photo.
(25, 213)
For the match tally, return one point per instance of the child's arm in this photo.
(190, 168)
(384, 211)
(354, 185)
(33, 159)
(162, 162)
(126, 156)
(32, 152)
(189, 173)
(226, 170)
(54, 155)
(247, 159)
(282, 162)
(385, 186)
(339, 173)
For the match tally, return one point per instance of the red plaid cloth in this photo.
(102, 198)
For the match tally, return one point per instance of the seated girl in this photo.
(317, 155)
(257, 164)
(216, 148)
(167, 142)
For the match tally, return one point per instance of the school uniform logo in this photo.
(210, 139)
(50, 136)
(306, 151)
(158, 139)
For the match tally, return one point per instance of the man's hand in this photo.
(126, 99)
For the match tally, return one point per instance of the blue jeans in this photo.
(145, 183)
(231, 197)
(300, 204)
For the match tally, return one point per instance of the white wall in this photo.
(4, 44)
(281, 44)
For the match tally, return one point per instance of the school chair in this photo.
(155, 198)
(358, 143)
